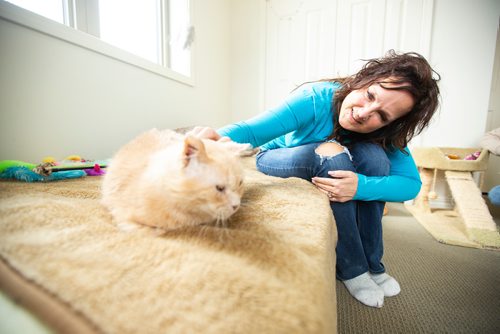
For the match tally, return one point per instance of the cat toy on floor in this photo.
(49, 170)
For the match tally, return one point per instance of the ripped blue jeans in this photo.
(359, 223)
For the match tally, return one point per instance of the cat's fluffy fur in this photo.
(166, 180)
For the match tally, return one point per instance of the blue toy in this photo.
(49, 171)
(27, 175)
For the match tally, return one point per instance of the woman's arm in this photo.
(402, 184)
(296, 111)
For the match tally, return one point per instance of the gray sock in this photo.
(387, 283)
(365, 290)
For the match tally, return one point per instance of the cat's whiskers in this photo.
(222, 226)
(203, 231)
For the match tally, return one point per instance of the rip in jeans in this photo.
(338, 149)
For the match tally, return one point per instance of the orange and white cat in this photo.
(167, 180)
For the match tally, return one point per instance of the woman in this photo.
(348, 136)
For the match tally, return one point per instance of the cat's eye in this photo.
(220, 188)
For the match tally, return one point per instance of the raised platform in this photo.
(469, 223)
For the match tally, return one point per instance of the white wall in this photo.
(492, 175)
(247, 41)
(462, 51)
(58, 99)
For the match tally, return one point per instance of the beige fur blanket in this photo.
(271, 271)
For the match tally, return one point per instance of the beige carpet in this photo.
(272, 271)
(445, 289)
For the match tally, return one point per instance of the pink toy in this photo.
(96, 171)
(473, 156)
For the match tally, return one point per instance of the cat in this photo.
(166, 180)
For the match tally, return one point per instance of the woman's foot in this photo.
(365, 290)
(388, 284)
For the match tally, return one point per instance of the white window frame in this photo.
(28, 19)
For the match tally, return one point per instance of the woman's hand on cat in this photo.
(205, 132)
(341, 187)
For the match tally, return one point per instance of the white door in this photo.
(314, 39)
(300, 44)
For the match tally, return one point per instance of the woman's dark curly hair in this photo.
(405, 71)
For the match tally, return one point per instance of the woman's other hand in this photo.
(341, 187)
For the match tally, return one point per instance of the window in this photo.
(133, 27)
(181, 36)
(159, 31)
(51, 9)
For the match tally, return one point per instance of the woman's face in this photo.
(368, 109)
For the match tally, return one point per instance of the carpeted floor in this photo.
(445, 289)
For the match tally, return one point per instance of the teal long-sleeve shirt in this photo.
(306, 116)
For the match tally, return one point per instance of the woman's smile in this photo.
(355, 118)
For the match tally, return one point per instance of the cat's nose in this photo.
(235, 207)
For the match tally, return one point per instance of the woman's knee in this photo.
(370, 159)
(329, 149)
(332, 156)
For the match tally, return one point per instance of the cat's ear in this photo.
(242, 150)
(193, 149)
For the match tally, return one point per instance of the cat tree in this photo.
(469, 223)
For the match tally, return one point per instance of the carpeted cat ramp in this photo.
(270, 271)
(470, 223)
